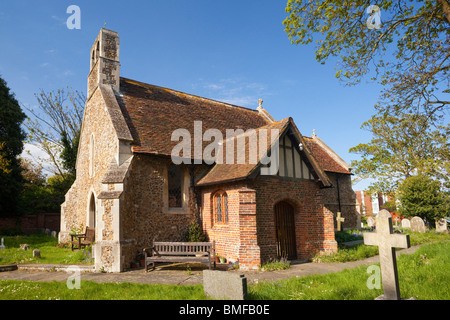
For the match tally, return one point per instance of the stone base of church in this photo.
(108, 256)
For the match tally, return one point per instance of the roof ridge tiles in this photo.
(143, 84)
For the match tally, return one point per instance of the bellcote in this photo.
(104, 61)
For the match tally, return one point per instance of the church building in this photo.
(151, 160)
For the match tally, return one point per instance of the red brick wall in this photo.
(313, 222)
(226, 235)
(347, 198)
(250, 235)
(32, 223)
(368, 204)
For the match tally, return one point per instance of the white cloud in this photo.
(241, 101)
(213, 86)
(68, 73)
(36, 155)
(236, 91)
(60, 20)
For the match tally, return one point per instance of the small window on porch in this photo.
(220, 204)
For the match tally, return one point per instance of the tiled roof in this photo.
(153, 113)
(326, 159)
(231, 172)
(228, 172)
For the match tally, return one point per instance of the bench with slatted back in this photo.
(180, 252)
(84, 239)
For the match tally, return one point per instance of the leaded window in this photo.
(220, 204)
(175, 186)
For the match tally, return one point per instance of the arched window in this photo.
(220, 203)
(93, 59)
(95, 55)
(92, 211)
(175, 186)
(91, 156)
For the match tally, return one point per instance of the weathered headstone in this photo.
(396, 220)
(54, 234)
(339, 219)
(386, 241)
(36, 253)
(224, 285)
(370, 222)
(417, 225)
(24, 246)
(406, 223)
(441, 225)
(2, 245)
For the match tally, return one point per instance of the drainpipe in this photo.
(194, 191)
(338, 193)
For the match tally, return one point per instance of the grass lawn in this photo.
(50, 252)
(423, 275)
(362, 251)
(89, 290)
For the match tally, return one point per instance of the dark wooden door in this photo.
(285, 231)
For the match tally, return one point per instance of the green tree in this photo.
(69, 152)
(401, 147)
(56, 126)
(409, 54)
(422, 196)
(40, 194)
(11, 146)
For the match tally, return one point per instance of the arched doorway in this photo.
(92, 211)
(285, 230)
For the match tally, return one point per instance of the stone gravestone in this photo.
(406, 224)
(441, 225)
(339, 219)
(417, 225)
(370, 222)
(396, 220)
(224, 285)
(386, 241)
(2, 245)
(36, 253)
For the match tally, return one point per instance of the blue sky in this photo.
(232, 51)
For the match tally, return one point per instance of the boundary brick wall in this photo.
(32, 223)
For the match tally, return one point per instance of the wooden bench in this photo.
(182, 252)
(83, 239)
